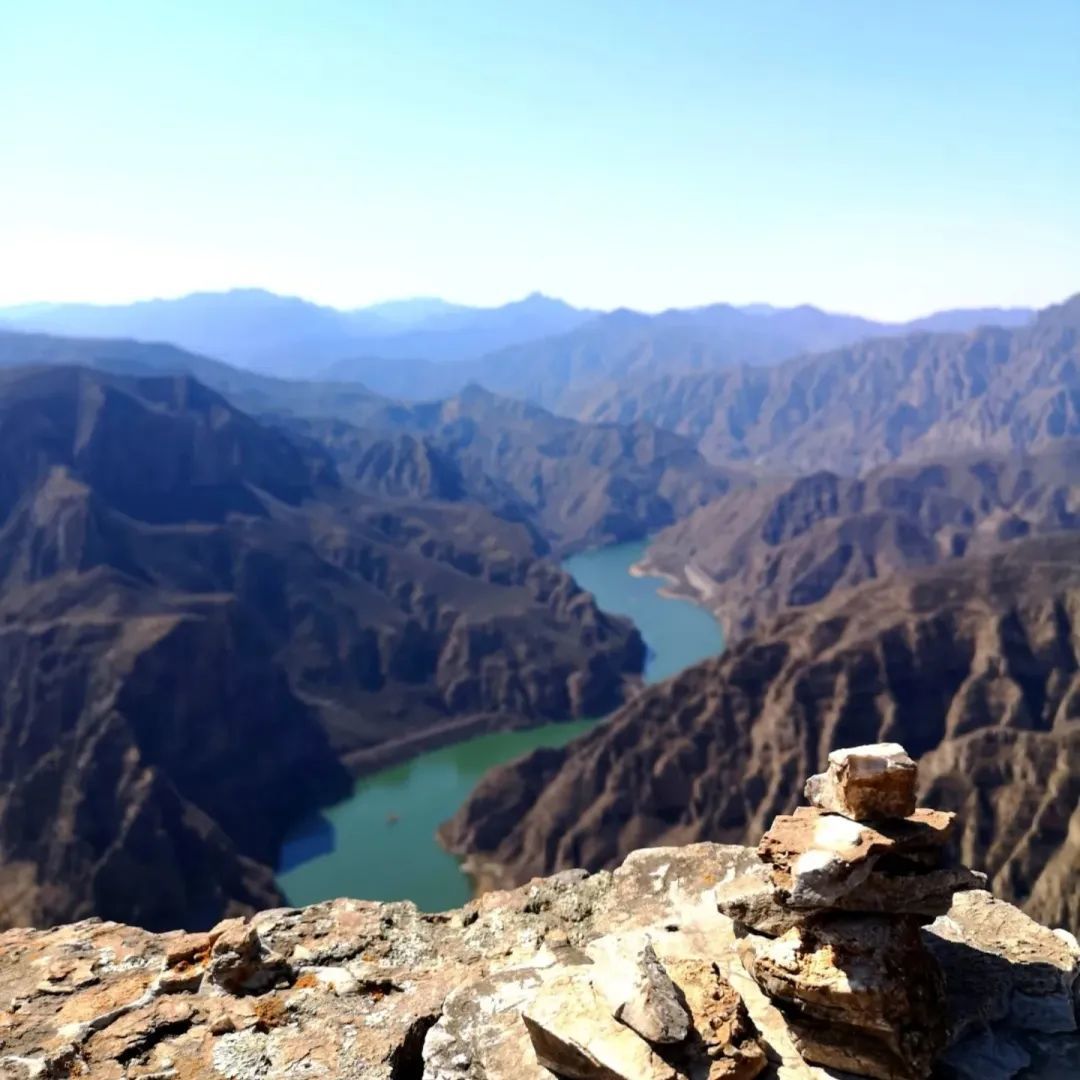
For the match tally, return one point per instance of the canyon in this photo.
(971, 664)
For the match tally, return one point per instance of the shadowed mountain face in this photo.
(971, 666)
(201, 625)
(574, 484)
(579, 485)
(921, 395)
(755, 552)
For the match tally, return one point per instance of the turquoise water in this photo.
(380, 843)
(677, 632)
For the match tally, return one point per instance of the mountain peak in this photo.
(1067, 313)
(538, 299)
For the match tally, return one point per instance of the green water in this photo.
(354, 849)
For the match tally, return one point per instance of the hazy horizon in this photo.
(885, 161)
(534, 293)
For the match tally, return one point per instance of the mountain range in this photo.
(850, 409)
(537, 348)
(285, 335)
(760, 550)
(213, 578)
(576, 484)
(197, 602)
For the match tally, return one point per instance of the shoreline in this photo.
(484, 875)
(675, 587)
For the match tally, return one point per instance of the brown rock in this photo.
(240, 962)
(188, 949)
(480, 1033)
(753, 901)
(382, 991)
(866, 783)
(1004, 966)
(861, 992)
(139, 1028)
(818, 858)
(723, 1043)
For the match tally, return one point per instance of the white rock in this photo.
(864, 782)
(637, 987)
(575, 1036)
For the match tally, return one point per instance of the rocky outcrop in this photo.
(866, 783)
(528, 984)
(841, 955)
(972, 666)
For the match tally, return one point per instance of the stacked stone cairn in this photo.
(831, 929)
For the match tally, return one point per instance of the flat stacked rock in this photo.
(831, 921)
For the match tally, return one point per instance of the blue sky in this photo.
(882, 158)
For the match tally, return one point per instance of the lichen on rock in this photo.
(519, 982)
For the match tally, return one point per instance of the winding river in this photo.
(380, 843)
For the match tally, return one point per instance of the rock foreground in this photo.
(640, 973)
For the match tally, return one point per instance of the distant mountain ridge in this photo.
(757, 552)
(594, 360)
(538, 347)
(288, 336)
(849, 409)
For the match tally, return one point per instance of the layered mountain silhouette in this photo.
(204, 628)
(972, 664)
(288, 336)
(536, 348)
(917, 395)
(761, 550)
(579, 485)
(574, 484)
(568, 372)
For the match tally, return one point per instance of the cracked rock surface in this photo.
(355, 989)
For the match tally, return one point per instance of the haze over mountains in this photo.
(530, 348)
(288, 336)
(761, 550)
(876, 401)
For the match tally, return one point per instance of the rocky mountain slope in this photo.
(579, 485)
(972, 665)
(574, 484)
(200, 622)
(919, 395)
(758, 550)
